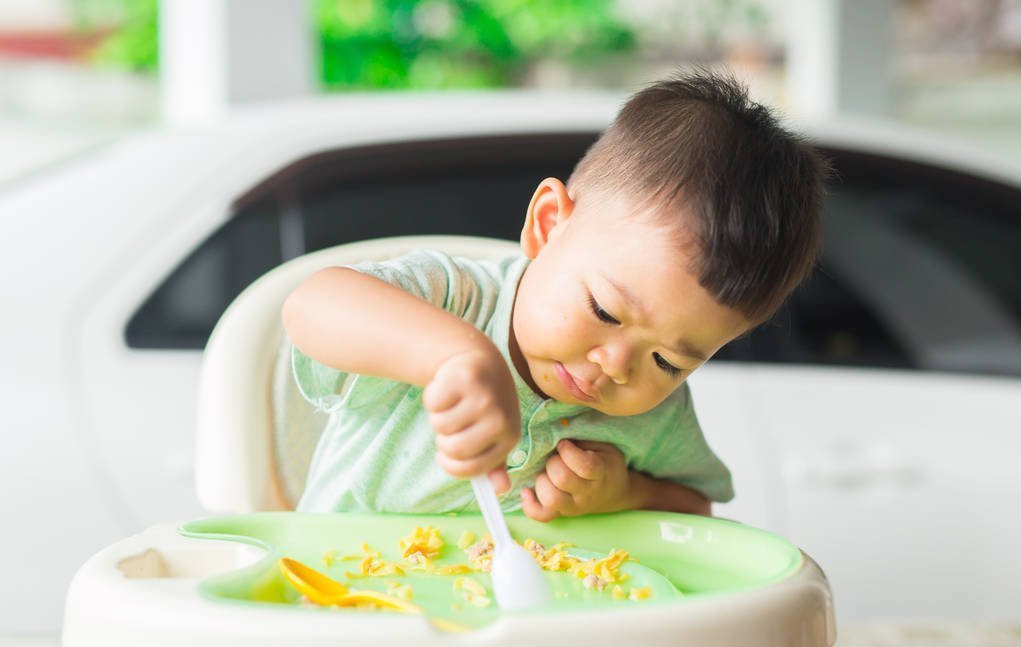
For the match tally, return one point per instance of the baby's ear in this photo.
(550, 206)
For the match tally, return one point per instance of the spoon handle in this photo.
(490, 507)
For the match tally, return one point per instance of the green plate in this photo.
(678, 557)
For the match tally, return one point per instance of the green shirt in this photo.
(377, 451)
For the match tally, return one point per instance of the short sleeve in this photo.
(324, 387)
(681, 454)
(460, 286)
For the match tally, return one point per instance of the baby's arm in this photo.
(584, 477)
(652, 493)
(357, 323)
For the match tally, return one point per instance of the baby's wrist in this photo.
(640, 492)
(652, 493)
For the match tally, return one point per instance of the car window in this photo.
(182, 311)
(920, 269)
(473, 186)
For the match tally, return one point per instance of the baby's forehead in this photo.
(662, 233)
(673, 215)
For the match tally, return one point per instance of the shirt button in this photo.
(518, 457)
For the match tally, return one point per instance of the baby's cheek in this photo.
(547, 330)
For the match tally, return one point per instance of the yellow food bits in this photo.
(325, 591)
(470, 585)
(452, 569)
(552, 559)
(472, 592)
(466, 539)
(480, 554)
(594, 573)
(424, 541)
(608, 568)
(377, 600)
(477, 600)
(640, 593)
(374, 567)
(330, 557)
(398, 590)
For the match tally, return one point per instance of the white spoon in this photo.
(518, 581)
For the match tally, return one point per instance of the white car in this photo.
(875, 422)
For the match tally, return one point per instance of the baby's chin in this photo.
(617, 409)
(607, 408)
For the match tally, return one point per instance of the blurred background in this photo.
(79, 71)
(172, 151)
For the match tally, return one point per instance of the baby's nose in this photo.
(614, 363)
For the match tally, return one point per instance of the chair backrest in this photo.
(254, 432)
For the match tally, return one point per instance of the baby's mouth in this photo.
(577, 387)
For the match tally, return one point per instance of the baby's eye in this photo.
(601, 314)
(671, 370)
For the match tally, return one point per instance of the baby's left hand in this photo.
(581, 477)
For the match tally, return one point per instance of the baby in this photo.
(561, 373)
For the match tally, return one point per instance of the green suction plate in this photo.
(678, 557)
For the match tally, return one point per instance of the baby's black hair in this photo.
(699, 155)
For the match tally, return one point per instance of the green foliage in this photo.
(135, 44)
(417, 43)
(458, 43)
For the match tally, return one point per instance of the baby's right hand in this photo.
(473, 406)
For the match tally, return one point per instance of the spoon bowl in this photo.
(315, 586)
(518, 581)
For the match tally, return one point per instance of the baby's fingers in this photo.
(550, 496)
(438, 396)
(462, 444)
(586, 463)
(500, 480)
(563, 477)
(453, 420)
(492, 458)
(533, 509)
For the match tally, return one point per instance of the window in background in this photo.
(468, 187)
(460, 187)
(919, 270)
(182, 311)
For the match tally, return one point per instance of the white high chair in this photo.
(255, 436)
(255, 431)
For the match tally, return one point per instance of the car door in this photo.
(889, 389)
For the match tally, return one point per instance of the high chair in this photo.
(255, 436)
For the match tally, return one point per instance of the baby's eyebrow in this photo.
(682, 347)
(631, 299)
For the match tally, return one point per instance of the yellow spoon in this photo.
(326, 591)
(315, 586)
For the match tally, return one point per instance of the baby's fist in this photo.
(581, 477)
(473, 407)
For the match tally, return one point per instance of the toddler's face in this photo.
(607, 316)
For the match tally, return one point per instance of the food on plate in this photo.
(424, 546)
